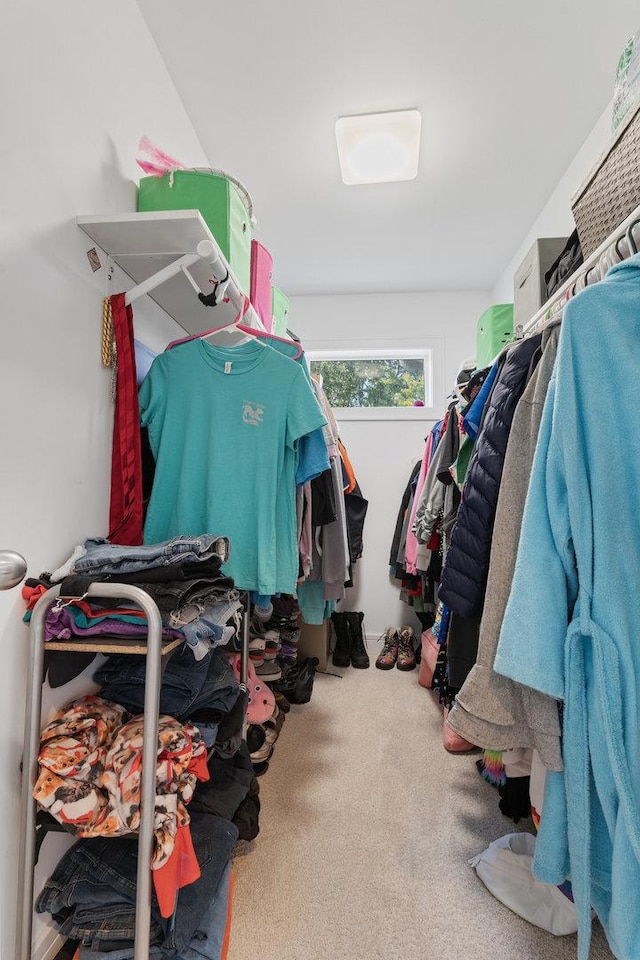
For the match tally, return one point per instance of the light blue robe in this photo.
(572, 625)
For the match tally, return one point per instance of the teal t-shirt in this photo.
(223, 424)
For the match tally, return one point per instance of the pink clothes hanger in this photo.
(250, 331)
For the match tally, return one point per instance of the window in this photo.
(375, 380)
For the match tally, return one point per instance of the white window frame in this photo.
(389, 353)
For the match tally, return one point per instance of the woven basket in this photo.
(612, 191)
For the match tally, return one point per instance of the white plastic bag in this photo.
(505, 869)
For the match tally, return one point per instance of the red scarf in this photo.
(125, 511)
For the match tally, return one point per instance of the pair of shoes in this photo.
(398, 650)
(269, 671)
(350, 646)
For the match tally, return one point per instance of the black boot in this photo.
(342, 651)
(359, 655)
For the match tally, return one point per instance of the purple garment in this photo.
(60, 625)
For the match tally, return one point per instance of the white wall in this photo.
(383, 452)
(81, 83)
(555, 219)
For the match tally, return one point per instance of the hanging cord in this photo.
(107, 333)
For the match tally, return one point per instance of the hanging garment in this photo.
(579, 564)
(125, 510)
(440, 496)
(490, 709)
(223, 424)
(464, 576)
(411, 542)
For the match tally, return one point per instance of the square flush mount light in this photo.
(379, 147)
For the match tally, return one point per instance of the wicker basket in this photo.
(612, 191)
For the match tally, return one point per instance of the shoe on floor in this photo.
(342, 650)
(359, 655)
(406, 651)
(389, 653)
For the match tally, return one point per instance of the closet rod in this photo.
(207, 251)
(591, 271)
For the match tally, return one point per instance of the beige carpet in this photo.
(366, 828)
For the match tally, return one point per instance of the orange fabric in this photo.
(181, 869)
(227, 932)
(76, 955)
(31, 595)
(349, 469)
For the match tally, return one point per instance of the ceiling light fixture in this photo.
(379, 147)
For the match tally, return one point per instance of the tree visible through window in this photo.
(373, 381)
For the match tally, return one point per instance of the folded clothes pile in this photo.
(91, 896)
(90, 772)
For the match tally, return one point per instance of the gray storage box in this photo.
(529, 291)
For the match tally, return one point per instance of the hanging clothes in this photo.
(490, 709)
(579, 564)
(223, 425)
(464, 575)
(125, 509)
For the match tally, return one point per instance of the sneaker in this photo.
(271, 650)
(387, 658)
(406, 652)
(260, 629)
(256, 650)
(269, 670)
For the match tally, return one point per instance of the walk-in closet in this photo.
(319, 543)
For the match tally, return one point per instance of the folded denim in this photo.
(187, 684)
(208, 940)
(171, 598)
(97, 555)
(209, 733)
(112, 863)
(210, 623)
(208, 568)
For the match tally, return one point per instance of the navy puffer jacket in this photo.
(464, 576)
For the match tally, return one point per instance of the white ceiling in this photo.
(508, 91)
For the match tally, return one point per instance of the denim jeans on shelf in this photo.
(187, 684)
(211, 623)
(113, 863)
(207, 941)
(173, 598)
(100, 556)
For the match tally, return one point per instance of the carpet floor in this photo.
(367, 825)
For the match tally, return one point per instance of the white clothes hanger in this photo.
(233, 327)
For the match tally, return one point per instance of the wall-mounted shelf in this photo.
(141, 244)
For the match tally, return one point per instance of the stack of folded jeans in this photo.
(182, 576)
(91, 896)
(201, 691)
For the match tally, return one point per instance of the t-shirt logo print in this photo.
(252, 413)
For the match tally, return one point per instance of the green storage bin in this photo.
(495, 328)
(222, 207)
(280, 306)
